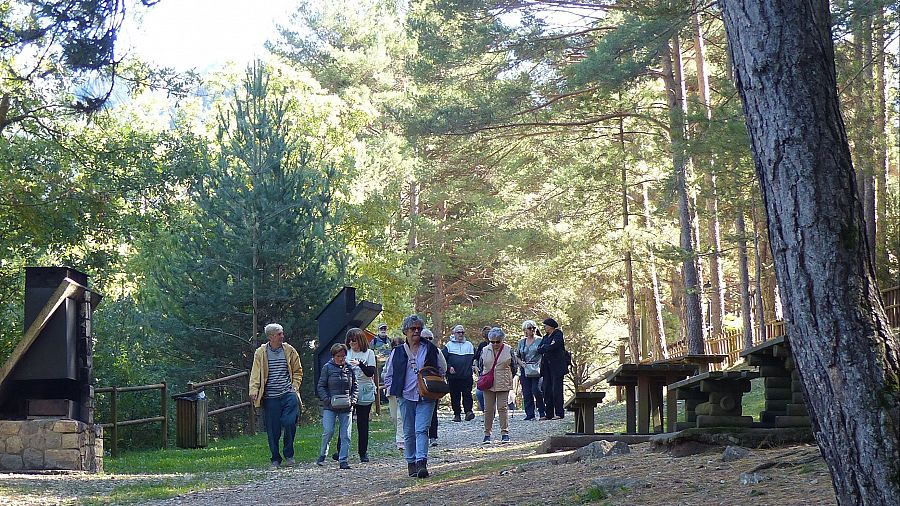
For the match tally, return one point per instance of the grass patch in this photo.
(161, 474)
(592, 495)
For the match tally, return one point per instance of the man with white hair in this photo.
(460, 356)
(275, 384)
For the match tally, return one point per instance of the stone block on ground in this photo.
(52, 440)
(596, 450)
(733, 453)
(614, 485)
(70, 441)
(753, 478)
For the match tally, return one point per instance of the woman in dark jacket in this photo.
(554, 366)
(337, 384)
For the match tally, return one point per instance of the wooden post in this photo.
(114, 451)
(620, 389)
(671, 407)
(377, 389)
(251, 423)
(164, 407)
(643, 404)
(630, 412)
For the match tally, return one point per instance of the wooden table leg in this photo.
(656, 407)
(589, 418)
(630, 411)
(643, 405)
(671, 406)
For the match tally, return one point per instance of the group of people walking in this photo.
(347, 385)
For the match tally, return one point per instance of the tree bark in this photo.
(846, 353)
(693, 319)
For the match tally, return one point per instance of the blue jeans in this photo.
(479, 396)
(281, 416)
(328, 419)
(532, 395)
(416, 422)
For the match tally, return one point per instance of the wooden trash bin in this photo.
(191, 413)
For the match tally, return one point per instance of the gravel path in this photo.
(385, 477)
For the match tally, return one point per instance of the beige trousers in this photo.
(397, 418)
(500, 402)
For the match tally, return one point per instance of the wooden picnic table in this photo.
(785, 404)
(649, 380)
(700, 361)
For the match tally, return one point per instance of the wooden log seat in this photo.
(583, 404)
(713, 399)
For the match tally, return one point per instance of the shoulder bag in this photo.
(486, 380)
(432, 385)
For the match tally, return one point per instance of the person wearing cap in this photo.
(554, 366)
(381, 341)
(460, 356)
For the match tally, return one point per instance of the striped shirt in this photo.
(278, 382)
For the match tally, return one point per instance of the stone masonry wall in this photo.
(50, 444)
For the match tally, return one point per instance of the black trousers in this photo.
(553, 394)
(432, 429)
(362, 428)
(460, 387)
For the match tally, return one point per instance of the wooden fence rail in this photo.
(251, 412)
(115, 424)
(731, 342)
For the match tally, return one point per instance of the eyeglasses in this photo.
(496, 342)
(530, 328)
(353, 340)
(460, 332)
(416, 329)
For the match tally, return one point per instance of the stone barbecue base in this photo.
(50, 444)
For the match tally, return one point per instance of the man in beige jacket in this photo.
(275, 385)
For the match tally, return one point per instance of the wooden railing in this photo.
(731, 342)
(251, 412)
(115, 423)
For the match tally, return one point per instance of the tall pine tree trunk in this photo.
(634, 345)
(693, 319)
(746, 318)
(716, 292)
(863, 86)
(881, 145)
(758, 274)
(657, 326)
(845, 351)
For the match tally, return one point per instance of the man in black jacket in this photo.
(460, 356)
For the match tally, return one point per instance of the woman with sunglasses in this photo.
(362, 359)
(530, 373)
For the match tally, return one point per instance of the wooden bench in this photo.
(713, 399)
(701, 361)
(785, 405)
(583, 404)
